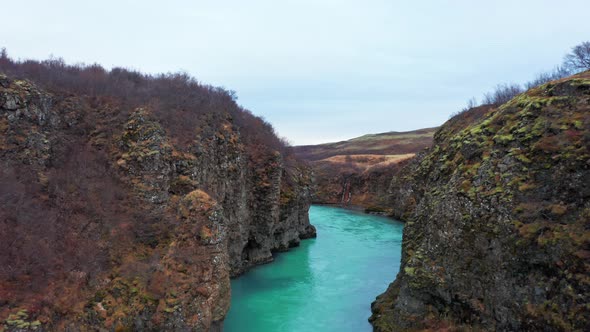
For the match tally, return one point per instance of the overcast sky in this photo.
(318, 70)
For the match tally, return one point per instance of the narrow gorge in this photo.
(140, 202)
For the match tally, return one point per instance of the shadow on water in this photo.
(326, 284)
(287, 269)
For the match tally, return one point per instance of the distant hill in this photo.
(390, 143)
(357, 172)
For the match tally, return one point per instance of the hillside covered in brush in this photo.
(497, 213)
(128, 200)
(357, 172)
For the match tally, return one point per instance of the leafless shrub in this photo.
(542, 78)
(575, 61)
(471, 103)
(180, 102)
(502, 94)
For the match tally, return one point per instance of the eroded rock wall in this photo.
(498, 218)
(147, 231)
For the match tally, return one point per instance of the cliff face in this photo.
(357, 184)
(110, 222)
(357, 172)
(498, 220)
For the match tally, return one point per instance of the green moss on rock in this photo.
(500, 219)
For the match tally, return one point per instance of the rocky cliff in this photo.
(115, 217)
(363, 182)
(498, 220)
(357, 172)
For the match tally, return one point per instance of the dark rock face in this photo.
(368, 189)
(259, 218)
(498, 220)
(147, 231)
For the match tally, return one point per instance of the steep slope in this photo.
(123, 217)
(357, 172)
(498, 220)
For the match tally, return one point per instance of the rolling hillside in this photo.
(390, 143)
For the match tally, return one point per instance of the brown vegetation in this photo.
(111, 188)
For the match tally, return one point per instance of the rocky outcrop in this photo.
(356, 173)
(140, 232)
(355, 187)
(498, 217)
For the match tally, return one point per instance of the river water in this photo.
(326, 284)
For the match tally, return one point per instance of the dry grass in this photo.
(365, 162)
(385, 144)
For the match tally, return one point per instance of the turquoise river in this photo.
(326, 284)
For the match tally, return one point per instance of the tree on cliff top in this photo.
(579, 58)
(576, 61)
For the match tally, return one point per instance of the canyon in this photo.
(130, 200)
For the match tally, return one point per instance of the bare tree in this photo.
(471, 103)
(579, 58)
(4, 60)
(576, 61)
